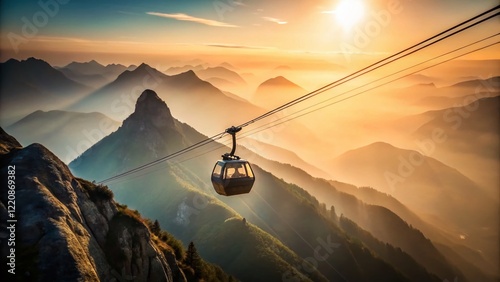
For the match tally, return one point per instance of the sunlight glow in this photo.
(349, 12)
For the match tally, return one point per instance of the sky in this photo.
(248, 31)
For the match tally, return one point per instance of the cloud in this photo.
(184, 17)
(239, 3)
(274, 20)
(239, 46)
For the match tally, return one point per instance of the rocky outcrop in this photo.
(69, 229)
(8, 142)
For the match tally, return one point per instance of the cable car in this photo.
(232, 175)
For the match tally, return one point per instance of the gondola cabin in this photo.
(232, 177)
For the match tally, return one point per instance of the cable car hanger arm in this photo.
(231, 156)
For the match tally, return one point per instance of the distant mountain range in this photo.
(434, 190)
(469, 135)
(223, 76)
(92, 73)
(221, 73)
(67, 134)
(178, 70)
(32, 84)
(432, 97)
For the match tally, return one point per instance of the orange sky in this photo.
(305, 33)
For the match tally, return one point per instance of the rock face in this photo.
(69, 229)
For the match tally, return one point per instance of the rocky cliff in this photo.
(69, 229)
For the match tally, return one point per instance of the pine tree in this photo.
(155, 229)
(193, 259)
(333, 214)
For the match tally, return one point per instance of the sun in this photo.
(349, 12)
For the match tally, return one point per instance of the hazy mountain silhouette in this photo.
(67, 134)
(92, 80)
(492, 83)
(223, 78)
(91, 67)
(437, 192)
(282, 155)
(468, 134)
(92, 73)
(31, 85)
(235, 97)
(277, 91)
(432, 97)
(398, 171)
(221, 72)
(440, 102)
(420, 79)
(470, 128)
(462, 93)
(229, 66)
(221, 83)
(178, 70)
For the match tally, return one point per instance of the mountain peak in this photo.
(144, 69)
(34, 62)
(150, 109)
(140, 72)
(188, 74)
(144, 66)
(147, 97)
(33, 59)
(279, 81)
